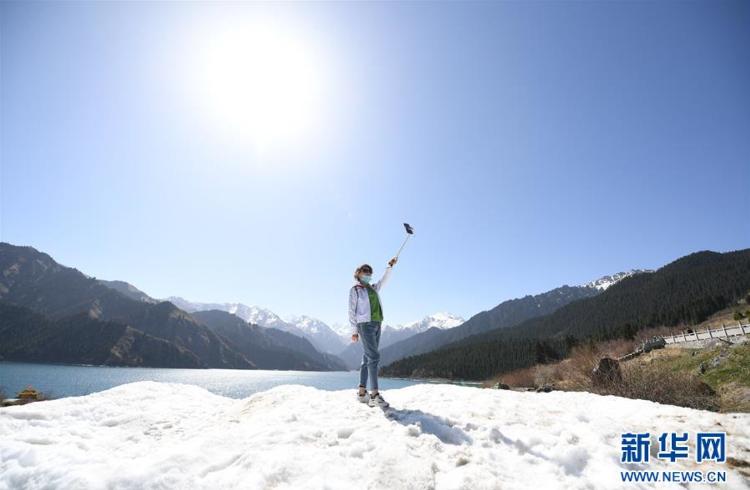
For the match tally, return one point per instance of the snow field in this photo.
(149, 435)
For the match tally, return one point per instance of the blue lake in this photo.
(60, 381)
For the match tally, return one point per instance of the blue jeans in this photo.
(369, 335)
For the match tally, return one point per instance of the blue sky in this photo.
(531, 144)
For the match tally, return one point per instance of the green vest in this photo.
(376, 311)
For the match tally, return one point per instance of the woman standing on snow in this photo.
(365, 317)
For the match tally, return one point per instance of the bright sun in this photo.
(259, 83)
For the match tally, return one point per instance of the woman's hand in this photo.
(355, 337)
(393, 261)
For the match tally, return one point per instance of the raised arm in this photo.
(387, 274)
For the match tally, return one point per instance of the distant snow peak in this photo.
(440, 320)
(605, 282)
(253, 314)
(322, 336)
(343, 329)
(257, 315)
(307, 324)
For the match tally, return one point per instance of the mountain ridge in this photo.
(507, 313)
(605, 282)
(34, 280)
(685, 290)
(314, 330)
(268, 347)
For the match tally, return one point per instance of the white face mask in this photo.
(366, 278)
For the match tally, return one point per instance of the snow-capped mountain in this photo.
(606, 281)
(440, 320)
(342, 329)
(252, 314)
(192, 306)
(258, 315)
(308, 324)
(352, 353)
(318, 332)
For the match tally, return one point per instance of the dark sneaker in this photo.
(377, 401)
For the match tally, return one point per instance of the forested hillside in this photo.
(53, 313)
(34, 280)
(506, 314)
(80, 339)
(685, 291)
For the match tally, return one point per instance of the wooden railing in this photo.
(719, 333)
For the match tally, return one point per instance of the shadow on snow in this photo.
(442, 428)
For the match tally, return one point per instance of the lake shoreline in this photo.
(64, 380)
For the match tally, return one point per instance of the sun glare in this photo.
(259, 83)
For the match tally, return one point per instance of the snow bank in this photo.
(155, 435)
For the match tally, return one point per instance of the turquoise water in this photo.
(60, 381)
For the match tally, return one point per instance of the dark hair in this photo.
(362, 268)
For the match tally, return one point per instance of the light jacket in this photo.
(359, 300)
